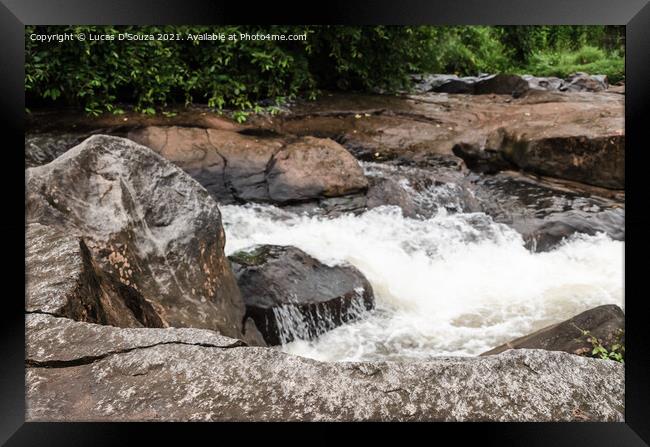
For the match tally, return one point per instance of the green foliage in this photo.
(614, 352)
(252, 76)
(587, 59)
(464, 50)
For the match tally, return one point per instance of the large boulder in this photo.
(86, 372)
(144, 224)
(606, 323)
(501, 84)
(291, 295)
(313, 168)
(236, 167)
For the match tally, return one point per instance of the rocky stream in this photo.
(433, 255)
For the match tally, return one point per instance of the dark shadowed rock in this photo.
(63, 280)
(550, 232)
(291, 295)
(262, 167)
(388, 191)
(146, 225)
(546, 212)
(85, 372)
(501, 84)
(606, 323)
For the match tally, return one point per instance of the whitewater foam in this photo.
(453, 284)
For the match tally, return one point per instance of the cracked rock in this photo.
(185, 375)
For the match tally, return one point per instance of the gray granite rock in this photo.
(84, 372)
(146, 224)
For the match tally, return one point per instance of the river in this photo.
(452, 283)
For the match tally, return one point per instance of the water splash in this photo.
(296, 324)
(453, 284)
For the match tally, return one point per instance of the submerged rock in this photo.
(291, 295)
(236, 167)
(544, 235)
(145, 227)
(85, 372)
(606, 323)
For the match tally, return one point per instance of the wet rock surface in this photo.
(236, 167)
(606, 323)
(192, 375)
(547, 213)
(289, 294)
(145, 225)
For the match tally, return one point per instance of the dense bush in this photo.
(98, 76)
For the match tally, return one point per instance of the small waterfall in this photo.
(307, 322)
(452, 283)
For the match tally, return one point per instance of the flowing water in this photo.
(451, 284)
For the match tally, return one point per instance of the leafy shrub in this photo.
(247, 76)
(615, 351)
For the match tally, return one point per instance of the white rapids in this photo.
(454, 284)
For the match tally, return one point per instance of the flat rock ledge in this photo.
(86, 372)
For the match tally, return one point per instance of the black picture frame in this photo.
(635, 14)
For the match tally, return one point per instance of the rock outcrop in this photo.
(86, 372)
(236, 167)
(573, 136)
(587, 152)
(291, 295)
(143, 226)
(606, 323)
(508, 84)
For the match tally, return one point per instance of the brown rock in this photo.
(238, 167)
(314, 167)
(606, 323)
